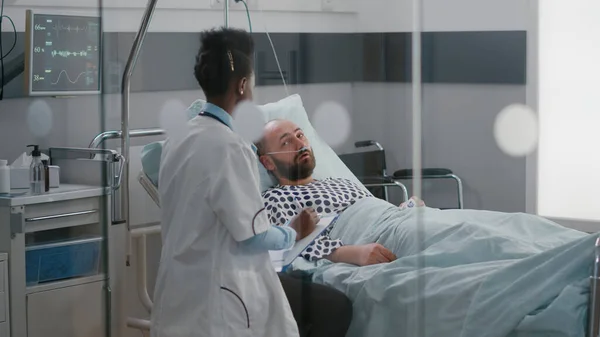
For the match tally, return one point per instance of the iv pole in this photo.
(125, 91)
(226, 13)
(125, 143)
(125, 139)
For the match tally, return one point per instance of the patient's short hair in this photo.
(226, 55)
(260, 144)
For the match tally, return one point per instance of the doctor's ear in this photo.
(243, 84)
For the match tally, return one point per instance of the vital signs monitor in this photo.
(63, 54)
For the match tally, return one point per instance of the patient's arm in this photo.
(362, 255)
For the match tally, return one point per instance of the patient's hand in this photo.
(362, 255)
(412, 202)
(374, 253)
(305, 223)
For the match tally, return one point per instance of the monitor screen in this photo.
(63, 54)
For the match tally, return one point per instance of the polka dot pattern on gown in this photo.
(328, 197)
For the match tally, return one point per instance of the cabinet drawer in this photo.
(4, 329)
(58, 214)
(76, 311)
(3, 298)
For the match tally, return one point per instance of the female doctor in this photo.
(215, 277)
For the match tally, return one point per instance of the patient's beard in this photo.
(296, 171)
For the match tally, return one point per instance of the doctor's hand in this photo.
(305, 223)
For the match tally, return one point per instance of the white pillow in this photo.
(290, 108)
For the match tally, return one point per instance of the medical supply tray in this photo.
(62, 260)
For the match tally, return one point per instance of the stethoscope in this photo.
(208, 114)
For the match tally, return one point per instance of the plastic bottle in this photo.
(36, 171)
(4, 177)
(46, 176)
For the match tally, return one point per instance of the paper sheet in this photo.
(283, 258)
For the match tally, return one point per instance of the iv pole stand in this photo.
(125, 139)
(141, 324)
(226, 13)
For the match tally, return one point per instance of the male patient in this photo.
(298, 195)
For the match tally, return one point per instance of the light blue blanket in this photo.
(462, 273)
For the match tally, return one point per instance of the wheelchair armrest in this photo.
(384, 182)
(367, 143)
(364, 143)
(409, 173)
(371, 180)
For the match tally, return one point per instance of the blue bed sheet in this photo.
(462, 273)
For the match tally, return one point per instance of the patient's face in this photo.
(287, 138)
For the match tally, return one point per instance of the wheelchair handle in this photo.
(366, 143)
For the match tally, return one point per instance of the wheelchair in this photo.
(370, 168)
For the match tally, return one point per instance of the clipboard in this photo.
(281, 259)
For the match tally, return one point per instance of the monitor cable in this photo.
(2, 55)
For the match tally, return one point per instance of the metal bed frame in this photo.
(126, 133)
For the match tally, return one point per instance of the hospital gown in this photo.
(328, 197)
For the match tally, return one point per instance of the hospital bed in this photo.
(149, 187)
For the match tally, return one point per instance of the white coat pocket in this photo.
(235, 310)
(246, 304)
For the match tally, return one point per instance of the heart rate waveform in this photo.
(69, 28)
(67, 77)
(66, 53)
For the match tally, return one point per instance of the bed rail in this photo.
(116, 134)
(117, 216)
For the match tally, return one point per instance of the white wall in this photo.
(443, 15)
(561, 90)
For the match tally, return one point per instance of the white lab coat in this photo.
(207, 284)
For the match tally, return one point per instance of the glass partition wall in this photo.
(439, 132)
(56, 215)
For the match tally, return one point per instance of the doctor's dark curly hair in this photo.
(225, 55)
